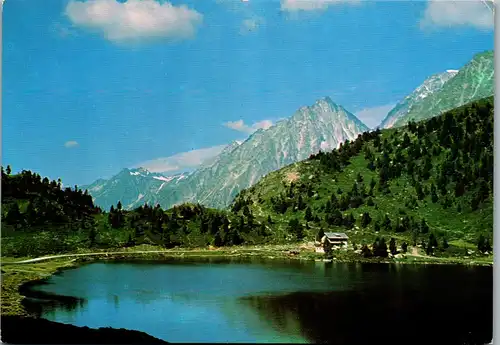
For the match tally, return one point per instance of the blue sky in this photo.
(91, 87)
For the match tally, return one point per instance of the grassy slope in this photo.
(460, 228)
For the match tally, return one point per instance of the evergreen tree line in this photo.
(445, 157)
(185, 224)
(45, 202)
(448, 158)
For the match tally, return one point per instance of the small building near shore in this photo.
(332, 239)
(335, 238)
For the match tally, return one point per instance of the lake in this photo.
(223, 300)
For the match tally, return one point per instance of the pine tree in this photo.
(459, 188)
(406, 141)
(424, 228)
(365, 219)
(130, 241)
(308, 216)
(8, 170)
(349, 221)
(380, 247)
(427, 168)
(481, 243)
(241, 224)
(404, 247)
(246, 211)
(365, 251)
(387, 223)
(433, 241)
(320, 235)
(484, 190)
(434, 195)
(419, 191)
(428, 250)
(14, 214)
(431, 245)
(487, 246)
(92, 236)
(217, 240)
(296, 228)
(392, 246)
(262, 230)
(445, 244)
(300, 203)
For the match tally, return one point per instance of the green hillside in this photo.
(427, 182)
(39, 217)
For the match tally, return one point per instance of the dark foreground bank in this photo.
(24, 330)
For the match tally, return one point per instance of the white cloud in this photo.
(445, 13)
(374, 115)
(182, 161)
(70, 144)
(242, 127)
(312, 5)
(251, 24)
(134, 19)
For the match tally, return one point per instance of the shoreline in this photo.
(290, 251)
(19, 275)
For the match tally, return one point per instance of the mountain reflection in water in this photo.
(406, 316)
(256, 301)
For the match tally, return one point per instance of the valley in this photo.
(293, 171)
(321, 126)
(386, 186)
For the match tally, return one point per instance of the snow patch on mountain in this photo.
(163, 178)
(159, 189)
(430, 86)
(321, 126)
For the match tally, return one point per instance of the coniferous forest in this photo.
(427, 184)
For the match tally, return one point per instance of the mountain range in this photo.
(131, 186)
(321, 126)
(445, 91)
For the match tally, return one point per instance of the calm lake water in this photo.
(276, 301)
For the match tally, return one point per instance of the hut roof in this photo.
(336, 236)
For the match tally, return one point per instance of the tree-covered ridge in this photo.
(185, 225)
(430, 182)
(40, 217)
(31, 202)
